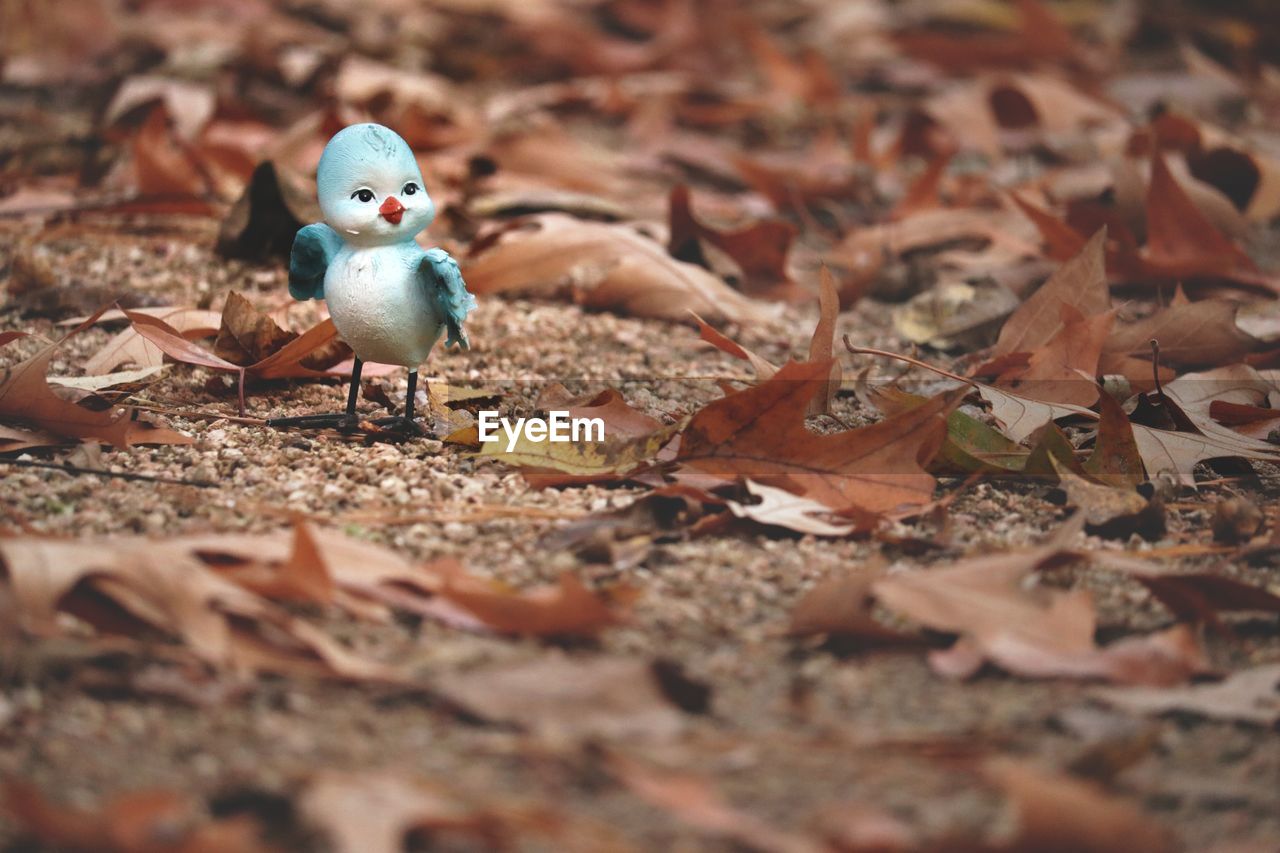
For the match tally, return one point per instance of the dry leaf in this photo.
(695, 801)
(759, 433)
(130, 347)
(604, 266)
(780, 508)
(1035, 633)
(154, 821)
(128, 584)
(27, 398)
(760, 250)
(1250, 696)
(1080, 283)
(566, 609)
(1058, 813)
(561, 698)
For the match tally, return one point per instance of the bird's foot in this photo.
(341, 421)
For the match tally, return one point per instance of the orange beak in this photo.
(392, 210)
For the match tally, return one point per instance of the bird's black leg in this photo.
(346, 421)
(410, 395)
(353, 394)
(406, 423)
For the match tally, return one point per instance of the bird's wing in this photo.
(313, 248)
(443, 280)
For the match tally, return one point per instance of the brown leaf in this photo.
(153, 821)
(129, 346)
(27, 398)
(840, 606)
(1201, 596)
(763, 368)
(1250, 696)
(619, 418)
(760, 250)
(566, 609)
(1035, 633)
(695, 801)
(1115, 459)
(760, 433)
(125, 585)
(822, 346)
(1181, 242)
(563, 698)
(604, 266)
(247, 335)
(780, 508)
(1063, 369)
(1080, 283)
(372, 811)
(1110, 511)
(1056, 814)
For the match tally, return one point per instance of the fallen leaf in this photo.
(1058, 813)
(566, 609)
(1034, 633)
(1115, 459)
(1181, 242)
(822, 346)
(1113, 512)
(1063, 369)
(759, 433)
(27, 398)
(130, 347)
(1201, 596)
(585, 458)
(841, 606)
(128, 585)
(561, 698)
(247, 335)
(152, 821)
(780, 508)
(1250, 696)
(373, 811)
(762, 367)
(1080, 283)
(603, 266)
(695, 801)
(760, 250)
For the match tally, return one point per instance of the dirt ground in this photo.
(795, 733)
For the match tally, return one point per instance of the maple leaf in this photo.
(760, 433)
(27, 398)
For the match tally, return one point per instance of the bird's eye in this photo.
(410, 188)
(363, 195)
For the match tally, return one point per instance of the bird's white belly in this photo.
(380, 307)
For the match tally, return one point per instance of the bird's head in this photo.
(370, 187)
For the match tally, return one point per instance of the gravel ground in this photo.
(795, 730)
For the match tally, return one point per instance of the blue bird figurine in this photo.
(389, 298)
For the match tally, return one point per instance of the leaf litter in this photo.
(710, 161)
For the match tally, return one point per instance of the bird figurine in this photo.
(389, 298)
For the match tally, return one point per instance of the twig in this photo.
(123, 475)
(1155, 368)
(196, 415)
(909, 360)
